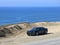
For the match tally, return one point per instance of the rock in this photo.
(17, 27)
(2, 34)
(6, 31)
(11, 29)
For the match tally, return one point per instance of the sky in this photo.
(29, 3)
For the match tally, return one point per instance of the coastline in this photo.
(19, 36)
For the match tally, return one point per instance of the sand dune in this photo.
(18, 32)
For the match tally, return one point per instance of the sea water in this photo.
(11, 15)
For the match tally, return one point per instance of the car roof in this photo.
(34, 29)
(37, 27)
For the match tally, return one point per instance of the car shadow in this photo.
(43, 34)
(47, 33)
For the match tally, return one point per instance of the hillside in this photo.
(16, 33)
(13, 29)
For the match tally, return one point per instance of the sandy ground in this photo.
(53, 32)
(53, 41)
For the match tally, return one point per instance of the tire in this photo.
(28, 34)
(37, 33)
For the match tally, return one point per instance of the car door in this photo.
(39, 30)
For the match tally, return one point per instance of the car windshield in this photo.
(36, 29)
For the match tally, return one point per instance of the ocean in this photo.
(12, 15)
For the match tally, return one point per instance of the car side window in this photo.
(41, 28)
(38, 28)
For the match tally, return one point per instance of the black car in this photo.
(37, 31)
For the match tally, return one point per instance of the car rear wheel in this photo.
(37, 34)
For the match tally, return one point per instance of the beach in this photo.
(21, 37)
